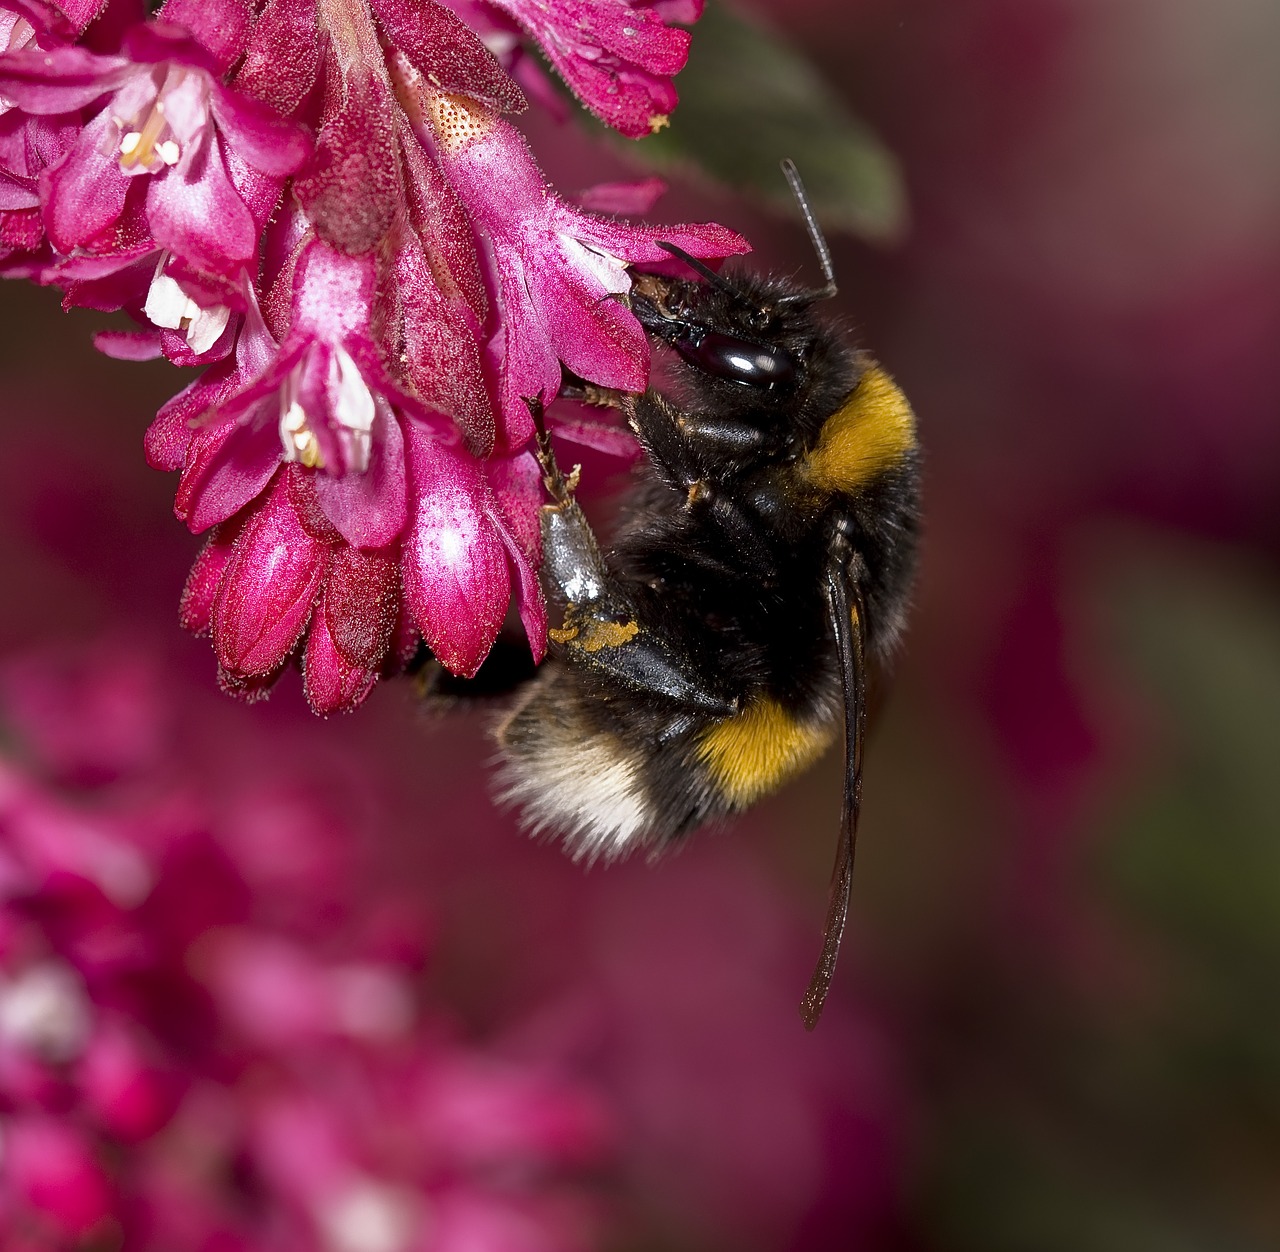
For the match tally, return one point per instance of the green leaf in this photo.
(748, 98)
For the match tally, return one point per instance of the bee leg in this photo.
(721, 437)
(589, 393)
(600, 630)
(689, 444)
(691, 467)
(844, 577)
(658, 425)
(560, 486)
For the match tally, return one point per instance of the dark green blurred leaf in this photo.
(748, 98)
(1013, 1188)
(1202, 855)
(1150, 1121)
(1199, 857)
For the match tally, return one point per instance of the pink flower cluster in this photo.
(323, 203)
(211, 1033)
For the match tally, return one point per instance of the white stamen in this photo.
(299, 440)
(500, 42)
(149, 143)
(609, 271)
(354, 409)
(169, 306)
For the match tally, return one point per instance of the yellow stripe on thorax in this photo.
(757, 750)
(871, 432)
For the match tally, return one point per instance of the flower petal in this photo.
(331, 683)
(17, 193)
(361, 605)
(170, 435)
(226, 466)
(447, 52)
(265, 140)
(595, 335)
(269, 591)
(195, 609)
(84, 193)
(634, 198)
(198, 216)
(283, 57)
(641, 244)
(59, 80)
(129, 345)
(350, 187)
(616, 56)
(454, 565)
(443, 355)
(518, 496)
(528, 363)
(306, 504)
(220, 26)
(369, 508)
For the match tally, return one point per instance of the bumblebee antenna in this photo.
(816, 237)
(699, 266)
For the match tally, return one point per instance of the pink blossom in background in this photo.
(212, 1029)
(322, 203)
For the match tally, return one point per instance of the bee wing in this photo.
(844, 598)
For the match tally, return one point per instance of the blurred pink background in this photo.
(1054, 1024)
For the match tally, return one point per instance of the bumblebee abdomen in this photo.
(752, 753)
(614, 774)
(571, 775)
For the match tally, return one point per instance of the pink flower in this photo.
(283, 581)
(560, 272)
(28, 145)
(321, 203)
(380, 511)
(387, 527)
(51, 1168)
(169, 136)
(618, 56)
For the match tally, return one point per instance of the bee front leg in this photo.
(659, 426)
(690, 441)
(689, 463)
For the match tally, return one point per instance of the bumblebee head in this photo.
(750, 333)
(718, 329)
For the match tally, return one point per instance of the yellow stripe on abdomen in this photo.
(870, 433)
(756, 751)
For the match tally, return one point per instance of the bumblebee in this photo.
(725, 639)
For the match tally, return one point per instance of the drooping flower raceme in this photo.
(323, 203)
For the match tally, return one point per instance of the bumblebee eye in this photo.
(739, 360)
